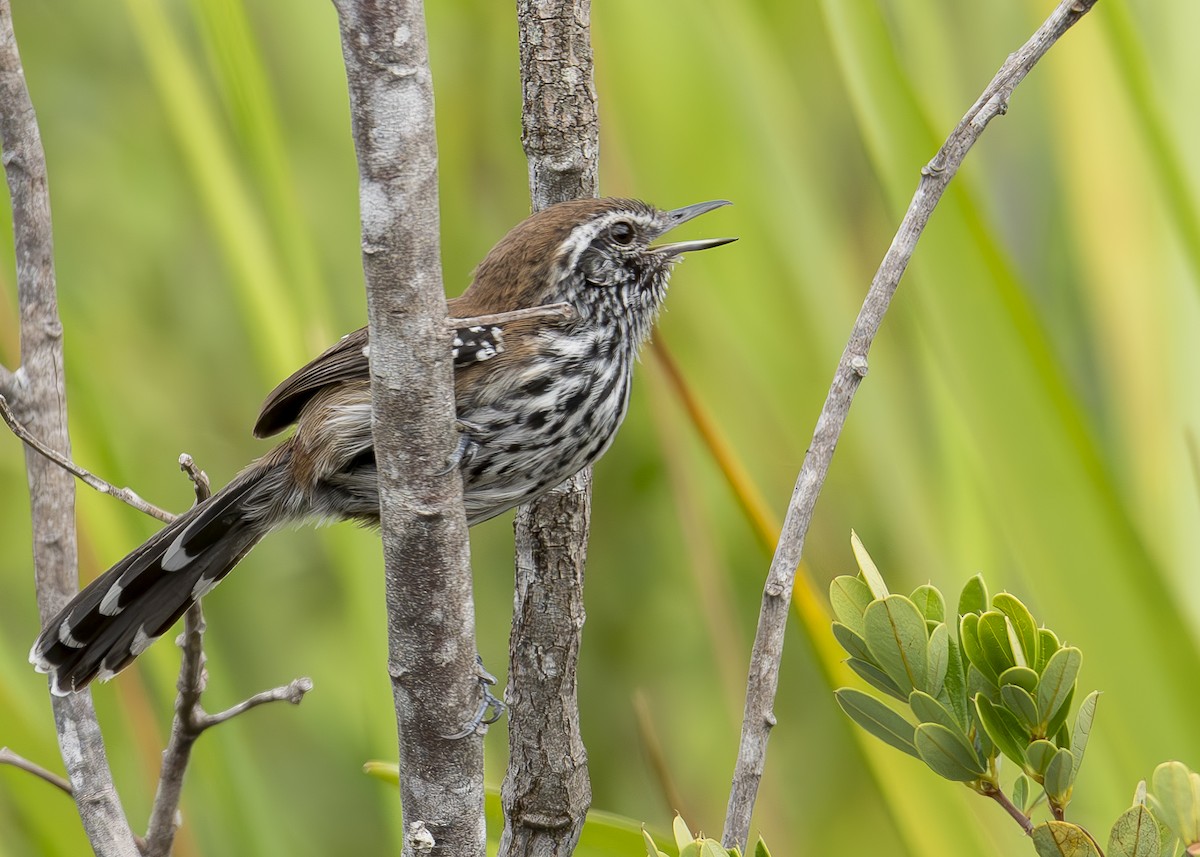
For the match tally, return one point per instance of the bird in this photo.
(537, 399)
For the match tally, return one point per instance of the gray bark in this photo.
(40, 402)
(431, 623)
(546, 791)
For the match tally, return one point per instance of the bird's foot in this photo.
(489, 703)
(465, 451)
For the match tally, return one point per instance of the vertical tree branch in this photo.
(546, 792)
(41, 404)
(431, 622)
(763, 681)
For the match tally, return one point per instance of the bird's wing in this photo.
(345, 361)
(348, 360)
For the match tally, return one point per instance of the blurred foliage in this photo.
(1027, 414)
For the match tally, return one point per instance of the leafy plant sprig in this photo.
(987, 683)
(690, 845)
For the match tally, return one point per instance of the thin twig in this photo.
(763, 681)
(198, 477)
(43, 407)
(190, 719)
(292, 693)
(1019, 817)
(546, 792)
(125, 495)
(549, 311)
(190, 722)
(8, 757)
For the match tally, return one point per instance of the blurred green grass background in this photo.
(1026, 414)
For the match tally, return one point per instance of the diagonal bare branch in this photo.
(852, 368)
(125, 495)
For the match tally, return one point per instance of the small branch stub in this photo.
(126, 495)
(419, 840)
(8, 757)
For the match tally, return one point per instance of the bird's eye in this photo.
(622, 232)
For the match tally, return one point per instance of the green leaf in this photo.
(1178, 793)
(1020, 703)
(1058, 683)
(1136, 834)
(896, 637)
(974, 597)
(954, 688)
(1058, 779)
(1003, 728)
(985, 748)
(683, 836)
(1048, 644)
(1024, 628)
(866, 565)
(1139, 794)
(995, 644)
(1083, 728)
(651, 848)
(1020, 793)
(968, 638)
(849, 597)
(1023, 677)
(937, 660)
(946, 753)
(389, 772)
(877, 678)
(851, 641)
(1058, 724)
(976, 683)
(875, 717)
(760, 849)
(1040, 754)
(930, 602)
(929, 710)
(1063, 839)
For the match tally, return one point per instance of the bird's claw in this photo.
(465, 451)
(489, 702)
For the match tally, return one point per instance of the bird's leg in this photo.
(489, 702)
(467, 446)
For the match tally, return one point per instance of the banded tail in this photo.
(119, 614)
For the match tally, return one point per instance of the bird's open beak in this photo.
(683, 215)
